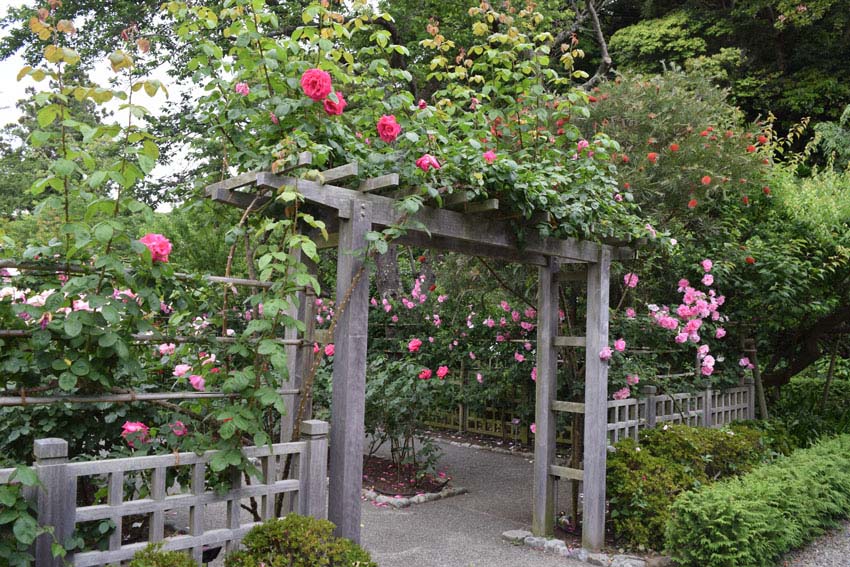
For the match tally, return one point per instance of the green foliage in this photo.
(751, 520)
(153, 556)
(647, 45)
(18, 524)
(297, 541)
(802, 409)
(644, 480)
(834, 139)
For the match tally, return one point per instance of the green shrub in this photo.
(298, 541)
(800, 406)
(644, 481)
(154, 556)
(751, 520)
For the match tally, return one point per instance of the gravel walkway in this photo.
(831, 550)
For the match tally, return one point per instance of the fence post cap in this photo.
(314, 427)
(648, 390)
(50, 448)
(749, 380)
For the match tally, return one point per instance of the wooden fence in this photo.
(56, 499)
(707, 408)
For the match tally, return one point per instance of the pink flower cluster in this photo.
(159, 246)
(316, 84)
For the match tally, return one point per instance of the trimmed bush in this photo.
(153, 556)
(752, 520)
(298, 541)
(644, 481)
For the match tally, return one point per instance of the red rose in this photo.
(674, 147)
(766, 190)
(388, 128)
(316, 84)
(706, 180)
(762, 139)
(652, 157)
(751, 148)
(746, 200)
(692, 204)
(335, 108)
(750, 260)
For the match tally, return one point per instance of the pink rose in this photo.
(426, 162)
(181, 369)
(179, 429)
(316, 84)
(425, 374)
(707, 280)
(135, 430)
(632, 379)
(442, 371)
(622, 393)
(329, 349)
(719, 333)
(519, 357)
(389, 129)
(534, 374)
(605, 353)
(422, 105)
(166, 348)
(533, 428)
(197, 382)
(631, 280)
(489, 156)
(159, 246)
(707, 265)
(630, 313)
(620, 345)
(413, 345)
(242, 89)
(480, 378)
(335, 108)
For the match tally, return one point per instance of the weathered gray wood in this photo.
(576, 342)
(569, 407)
(114, 499)
(566, 473)
(648, 393)
(57, 497)
(234, 510)
(269, 471)
(442, 222)
(341, 173)
(156, 526)
(349, 374)
(543, 491)
(380, 182)
(197, 512)
(707, 409)
(481, 206)
(236, 182)
(312, 494)
(468, 248)
(750, 385)
(577, 275)
(595, 400)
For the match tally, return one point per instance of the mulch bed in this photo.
(382, 476)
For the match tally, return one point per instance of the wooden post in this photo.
(648, 392)
(349, 374)
(312, 500)
(750, 384)
(707, 406)
(595, 404)
(543, 515)
(56, 500)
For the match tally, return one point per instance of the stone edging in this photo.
(558, 547)
(404, 502)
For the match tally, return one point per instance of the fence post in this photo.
(750, 385)
(312, 497)
(56, 500)
(648, 392)
(708, 406)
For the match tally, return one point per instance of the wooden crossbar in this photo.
(566, 472)
(578, 342)
(569, 407)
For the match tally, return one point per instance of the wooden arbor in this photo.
(351, 213)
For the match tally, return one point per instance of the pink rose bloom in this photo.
(707, 280)
(620, 345)
(622, 393)
(179, 429)
(505, 306)
(273, 118)
(426, 162)
(631, 280)
(472, 356)
(422, 105)
(533, 428)
(181, 369)
(534, 374)
(530, 312)
(582, 144)
(527, 346)
(389, 129)
(489, 156)
(480, 378)
(425, 374)
(442, 371)
(605, 353)
(706, 370)
(745, 362)
(707, 265)
(500, 338)
(515, 316)
(430, 339)
(316, 348)
(413, 345)
(703, 350)
(632, 379)
(394, 318)
(719, 333)
(630, 313)
(159, 246)
(682, 338)
(80, 305)
(316, 84)
(708, 360)
(136, 430)
(197, 382)
(242, 89)
(526, 326)
(329, 349)
(166, 348)
(335, 108)
(442, 298)
(519, 357)
(683, 283)
(488, 322)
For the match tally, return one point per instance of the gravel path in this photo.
(830, 550)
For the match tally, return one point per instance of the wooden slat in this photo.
(577, 342)
(157, 518)
(340, 173)
(234, 182)
(566, 472)
(198, 511)
(115, 496)
(481, 206)
(380, 182)
(569, 407)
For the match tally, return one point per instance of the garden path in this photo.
(830, 550)
(465, 530)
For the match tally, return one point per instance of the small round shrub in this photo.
(154, 556)
(298, 541)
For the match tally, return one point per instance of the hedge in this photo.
(750, 521)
